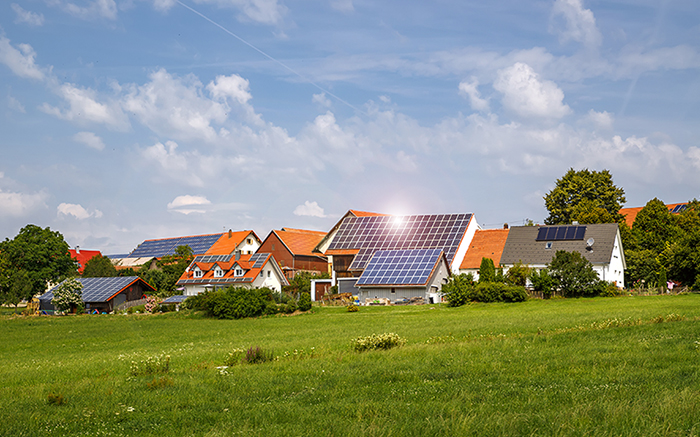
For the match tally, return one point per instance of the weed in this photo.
(151, 365)
(56, 399)
(256, 355)
(352, 308)
(374, 342)
(235, 357)
(162, 382)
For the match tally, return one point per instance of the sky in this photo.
(126, 120)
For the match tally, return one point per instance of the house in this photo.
(600, 244)
(487, 243)
(357, 238)
(208, 272)
(83, 256)
(104, 294)
(404, 274)
(293, 250)
(246, 242)
(630, 214)
(322, 245)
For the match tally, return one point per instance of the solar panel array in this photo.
(560, 233)
(166, 246)
(179, 298)
(258, 259)
(216, 280)
(370, 234)
(98, 289)
(400, 267)
(679, 208)
(212, 258)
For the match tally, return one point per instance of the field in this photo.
(623, 366)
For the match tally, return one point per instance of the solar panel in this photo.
(98, 289)
(370, 234)
(561, 233)
(174, 299)
(258, 259)
(212, 258)
(400, 267)
(167, 246)
(679, 208)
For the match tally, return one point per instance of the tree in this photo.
(583, 193)
(15, 288)
(487, 271)
(574, 275)
(42, 254)
(654, 226)
(171, 268)
(99, 267)
(541, 281)
(301, 283)
(68, 295)
(517, 275)
(456, 291)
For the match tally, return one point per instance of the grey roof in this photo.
(522, 246)
(100, 289)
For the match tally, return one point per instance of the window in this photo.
(249, 241)
(393, 290)
(261, 273)
(548, 245)
(218, 273)
(197, 273)
(239, 272)
(273, 246)
(268, 273)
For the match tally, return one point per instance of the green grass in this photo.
(560, 367)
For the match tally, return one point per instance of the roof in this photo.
(178, 298)
(125, 263)
(299, 241)
(101, 289)
(487, 243)
(413, 267)
(631, 213)
(370, 234)
(251, 264)
(334, 229)
(83, 256)
(523, 245)
(229, 241)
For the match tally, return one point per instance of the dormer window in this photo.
(548, 245)
(238, 272)
(218, 273)
(198, 273)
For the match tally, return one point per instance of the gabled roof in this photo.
(252, 264)
(102, 289)
(299, 241)
(334, 229)
(229, 241)
(83, 256)
(631, 213)
(210, 244)
(487, 243)
(523, 245)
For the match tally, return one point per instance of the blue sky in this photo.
(123, 120)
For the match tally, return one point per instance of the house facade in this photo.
(210, 272)
(83, 256)
(293, 250)
(535, 246)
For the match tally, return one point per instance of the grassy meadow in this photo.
(624, 366)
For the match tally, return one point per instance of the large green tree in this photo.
(170, 269)
(584, 195)
(99, 266)
(574, 275)
(654, 226)
(41, 254)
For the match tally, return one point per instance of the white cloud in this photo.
(163, 5)
(321, 100)
(13, 204)
(574, 23)
(470, 89)
(528, 96)
(90, 140)
(23, 16)
(344, 6)
(170, 163)
(21, 61)
(95, 9)
(15, 105)
(310, 209)
(77, 211)
(233, 86)
(260, 11)
(188, 204)
(84, 108)
(602, 120)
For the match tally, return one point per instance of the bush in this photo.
(304, 302)
(233, 302)
(497, 292)
(69, 295)
(517, 275)
(352, 308)
(487, 271)
(271, 308)
(456, 291)
(609, 289)
(574, 275)
(542, 281)
(256, 355)
(374, 342)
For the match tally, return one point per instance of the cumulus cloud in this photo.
(77, 211)
(470, 89)
(14, 204)
(84, 108)
(169, 162)
(572, 22)
(20, 61)
(601, 120)
(90, 140)
(189, 204)
(310, 209)
(28, 17)
(321, 100)
(528, 96)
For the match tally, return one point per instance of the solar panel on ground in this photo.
(561, 233)
(400, 267)
(369, 234)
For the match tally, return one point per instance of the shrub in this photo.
(55, 399)
(304, 302)
(69, 295)
(271, 307)
(542, 281)
(352, 308)
(234, 302)
(291, 306)
(151, 304)
(610, 290)
(256, 355)
(375, 342)
(487, 271)
(456, 291)
(574, 275)
(235, 357)
(151, 365)
(517, 275)
(497, 292)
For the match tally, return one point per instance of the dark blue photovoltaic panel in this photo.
(370, 234)
(98, 289)
(400, 267)
(258, 259)
(174, 299)
(679, 208)
(212, 258)
(166, 246)
(561, 233)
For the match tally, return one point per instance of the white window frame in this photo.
(218, 272)
(198, 273)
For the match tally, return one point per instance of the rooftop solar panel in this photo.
(258, 259)
(167, 246)
(400, 267)
(174, 299)
(561, 233)
(212, 258)
(98, 289)
(369, 234)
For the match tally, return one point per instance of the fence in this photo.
(129, 304)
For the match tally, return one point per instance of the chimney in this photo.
(77, 249)
(230, 233)
(505, 225)
(574, 223)
(238, 255)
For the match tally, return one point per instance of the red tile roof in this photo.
(244, 262)
(631, 213)
(229, 241)
(83, 257)
(357, 213)
(487, 243)
(300, 241)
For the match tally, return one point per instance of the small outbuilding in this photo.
(104, 294)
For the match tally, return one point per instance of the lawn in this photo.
(603, 366)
